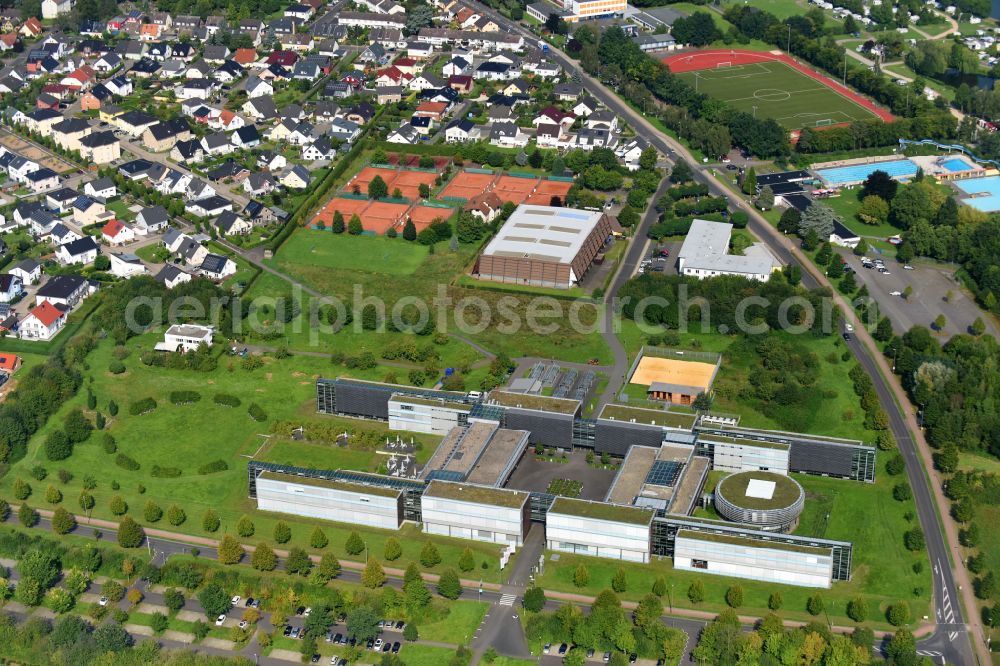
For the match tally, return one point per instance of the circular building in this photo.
(765, 500)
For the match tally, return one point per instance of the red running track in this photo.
(693, 61)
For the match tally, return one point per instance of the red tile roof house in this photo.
(245, 56)
(57, 90)
(42, 323)
(283, 58)
(82, 77)
(461, 83)
(116, 233)
(9, 363)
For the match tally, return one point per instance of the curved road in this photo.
(953, 637)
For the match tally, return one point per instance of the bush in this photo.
(116, 367)
(214, 466)
(143, 406)
(125, 462)
(256, 413)
(184, 397)
(58, 446)
(166, 472)
(109, 444)
(226, 400)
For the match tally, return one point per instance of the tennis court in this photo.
(423, 216)
(772, 85)
(547, 190)
(466, 185)
(347, 208)
(409, 182)
(360, 182)
(514, 189)
(381, 216)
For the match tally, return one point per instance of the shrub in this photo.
(39, 472)
(125, 462)
(144, 406)
(184, 397)
(58, 446)
(176, 515)
(109, 444)
(226, 400)
(22, 489)
(214, 466)
(118, 505)
(116, 367)
(257, 413)
(166, 472)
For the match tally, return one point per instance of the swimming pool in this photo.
(956, 164)
(857, 173)
(989, 187)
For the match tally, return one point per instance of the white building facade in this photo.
(481, 513)
(435, 417)
(598, 529)
(339, 501)
(754, 560)
(749, 456)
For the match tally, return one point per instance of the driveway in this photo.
(931, 284)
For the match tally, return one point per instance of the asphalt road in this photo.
(951, 637)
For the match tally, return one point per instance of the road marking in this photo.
(928, 653)
(952, 636)
(508, 599)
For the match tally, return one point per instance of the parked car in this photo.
(288, 630)
(562, 649)
(907, 267)
(235, 600)
(547, 648)
(219, 621)
(395, 647)
(103, 601)
(244, 624)
(378, 644)
(895, 293)
(607, 657)
(249, 602)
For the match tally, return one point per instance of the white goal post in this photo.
(720, 65)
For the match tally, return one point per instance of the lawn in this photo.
(121, 210)
(865, 514)
(414, 654)
(776, 90)
(458, 626)
(185, 437)
(322, 249)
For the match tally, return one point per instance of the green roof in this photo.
(753, 543)
(417, 400)
(602, 511)
(648, 416)
(537, 402)
(734, 489)
(332, 484)
(467, 492)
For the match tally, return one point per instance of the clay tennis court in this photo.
(380, 216)
(546, 189)
(423, 216)
(347, 208)
(671, 371)
(409, 182)
(414, 160)
(466, 185)
(367, 175)
(512, 188)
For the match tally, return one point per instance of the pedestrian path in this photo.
(508, 599)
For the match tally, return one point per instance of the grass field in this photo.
(865, 514)
(188, 436)
(775, 90)
(391, 256)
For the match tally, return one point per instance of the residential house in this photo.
(245, 137)
(60, 234)
(151, 220)
(119, 85)
(630, 152)
(209, 206)
(11, 288)
(297, 178)
(343, 130)
(216, 53)
(405, 134)
(116, 233)
(135, 123)
(81, 251)
(67, 133)
(258, 213)
(171, 276)
(100, 147)
(32, 27)
(101, 189)
(187, 152)
(260, 108)
(461, 83)
(93, 99)
(28, 270)
(231, 224)
(461, 130)
(61, 201)
(585, 106)
(456, 66)
(53, 9)
(216, 144)
(259, 184)
(126, 265)
(567, 92)
(388, 94)
(245, 57)
(508, 135)
(320, 149)
(65, 290)
(272, 161)
(41, 180)
(217, 267)
(44, 321)
(164, 135)
(87, 211)
(257, 87)
(228, 71)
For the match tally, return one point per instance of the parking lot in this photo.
(935, 292)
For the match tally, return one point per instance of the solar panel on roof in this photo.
(664, 473)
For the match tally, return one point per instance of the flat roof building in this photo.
(544, 246)
(435, 416)
(470, 511)
(599, 529)
(329, 499)
(705, 253)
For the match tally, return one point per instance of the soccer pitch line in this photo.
(791, 95)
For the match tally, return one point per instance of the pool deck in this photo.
(846, 173)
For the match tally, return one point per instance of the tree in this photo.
(819, 218)
(857, 609)
(978, 327)
(698, 29)
(298, 561)
(696, 592)
(354, 544)
(410, 632)
(879, 184)
(750, 182)
(377, 189)
(534, 599)
(282, 533)
(874, 210)
(245, 527)
(134, 597)
(681, 173)
(861, 249)
(429, 555)
(814, 605)
(766, 199)
(354, 227)
(362, 624)
(308, 648)
(77, 427)
(318, 538)
(176, 515)
(466, 562)
(214, 600)
(409, 231)
(913, 539)
(789, 222)
(130, 534)
(414, 588)
(58, 446)
(27, 516)
(581, 576)
(449, 585)
(392, 550)
(373, 576)
(898, 614)
(152, 512)
(230, 550)
(63, 521)
(86, 501)
(173, 599)
(337, 225)
(734, 596)
(648, 612)
(118, 505)
(329, 568)
(939, 322)
(618, 582)
(53, 495)
(556, 24)
(112, 637)
(210, 521)
(774, 602)
(264, 558)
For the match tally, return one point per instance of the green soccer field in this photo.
(775, 90)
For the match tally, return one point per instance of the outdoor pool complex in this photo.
(988, 188)
(857, 173)
(955, 164)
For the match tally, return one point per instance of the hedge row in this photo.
(125, 462)
(256, 413)
(143, 406)
(226, 400)
(166, 472)
(184, 397)
(214, 466)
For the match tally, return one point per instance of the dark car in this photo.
(370, 643)
(386, 647)
(315, 658)
(338, 638)
(632, 658)
(395, 647)
(400, 624)
(300, 610)
(847, 337)
(287, 631)
(563, 648)
(249, 602)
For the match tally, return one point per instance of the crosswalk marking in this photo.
(508, 599)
